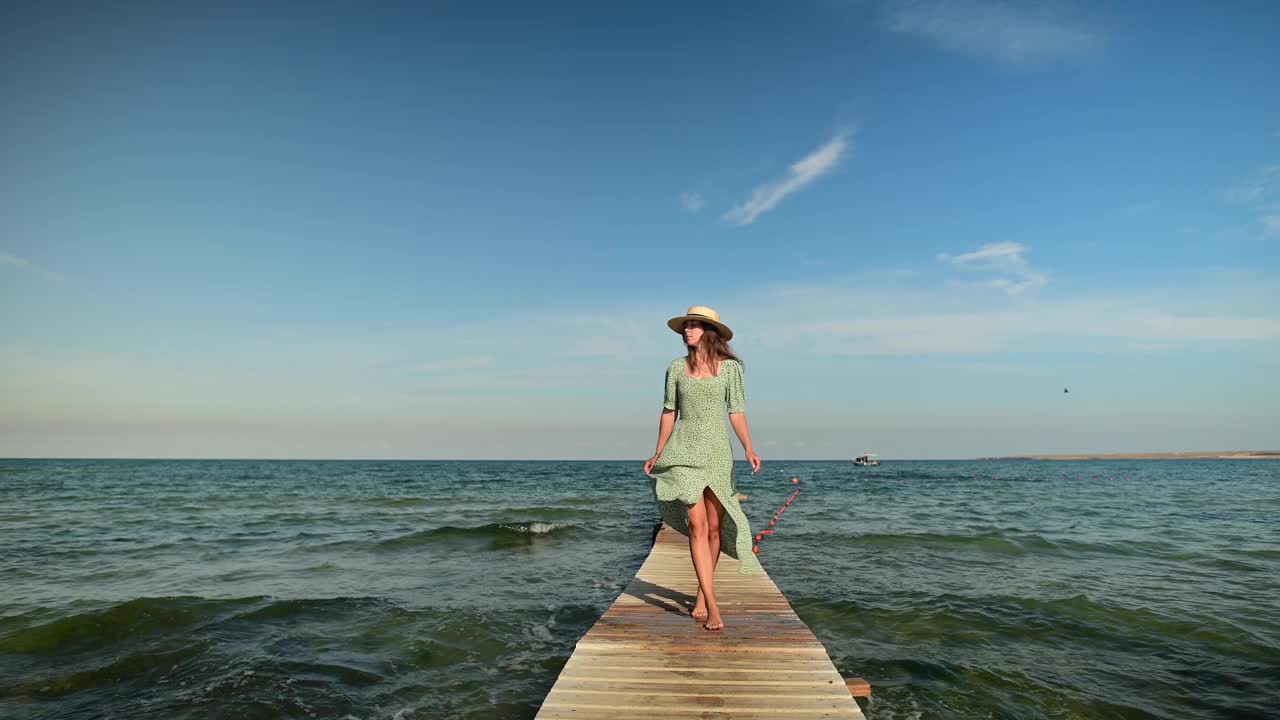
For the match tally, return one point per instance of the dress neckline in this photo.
(719, 369)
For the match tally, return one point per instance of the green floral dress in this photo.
(698, 455)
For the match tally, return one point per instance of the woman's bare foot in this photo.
(699, 607)
(713, 621)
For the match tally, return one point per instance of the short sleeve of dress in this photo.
(669, 400)
(735, 395)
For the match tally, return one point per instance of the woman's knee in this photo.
(711, 510)
(697, 521)
(712, 526)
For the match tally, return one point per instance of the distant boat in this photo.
(868, 459)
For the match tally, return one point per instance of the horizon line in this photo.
(1173, 454)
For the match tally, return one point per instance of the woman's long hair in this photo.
(710, 349)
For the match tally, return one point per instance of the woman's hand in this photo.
(648, 464)
(754, 459)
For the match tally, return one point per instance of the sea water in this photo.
(411, 590)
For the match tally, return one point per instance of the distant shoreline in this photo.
(1220, 455)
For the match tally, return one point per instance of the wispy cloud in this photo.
(474, 362)
(1262, 187)
(905, 319)
(615, 337)
(1142, 208)
(256, 398)
(21, 264)
(13, 260)
(1261, 193)
(809, 168)
(1014, 35)
(692, 202)
(1005, 258)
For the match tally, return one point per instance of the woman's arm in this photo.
(739, 423)
(666, 422)
(735, 399)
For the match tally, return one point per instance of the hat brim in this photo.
(677, 325)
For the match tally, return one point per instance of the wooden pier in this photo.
(647, 658)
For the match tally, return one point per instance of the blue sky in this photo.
(456, 230)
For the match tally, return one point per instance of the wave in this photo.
(127, 621)
(948, 617)
(110, 674)
(546, 512)
(498, 535)
(400, 502)
(994, 542)
(137, 620)
(1262, 554)
(266, 656)
(278, 609)
(183, 649)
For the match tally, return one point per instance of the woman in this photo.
(692, 469)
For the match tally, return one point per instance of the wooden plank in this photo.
(858, 687)
(711, 648)
(725, 663)
(676, 676)
(557, 713)
(722, 699)
(589, 656)
(646, 657)
(704, 687)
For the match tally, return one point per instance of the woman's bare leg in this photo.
(700, 552)
(715, 516)
(716, 511)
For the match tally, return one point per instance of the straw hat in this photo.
(703, 313)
